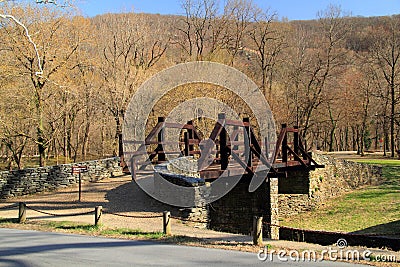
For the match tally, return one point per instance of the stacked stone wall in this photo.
(338, 177)
(34, 180)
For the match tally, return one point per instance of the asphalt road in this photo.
(31, 248)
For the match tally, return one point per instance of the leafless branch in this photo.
(27, 34)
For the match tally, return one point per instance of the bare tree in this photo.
(14, 122)
(128, 50)
(268, 44)
(202, 29)
(319, 58)
(240, 15)
(40, 58)
(386, 54)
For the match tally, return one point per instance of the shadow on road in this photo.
(84, 245)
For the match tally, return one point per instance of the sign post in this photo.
(79, 170)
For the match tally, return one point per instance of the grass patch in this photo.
(125, 233)
(130, 232)
(372, 209)
(8, 220)
(64, 225)
(383, 162)
(88, 229)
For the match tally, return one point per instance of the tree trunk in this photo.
(69, 139)
(332, 132)
(85, 143)
(362, 136)
(102, 141)
(118, 148)
(41, 141)
(392, 118)
(354, 133)
(65, 138)
(41, 149)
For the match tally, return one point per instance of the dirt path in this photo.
(117, 195)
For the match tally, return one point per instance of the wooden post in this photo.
(160, 139)
(167, 223)
(186, 141)
(247, 142)
(284, 145)
(191, 136)
(257, 231)
(296, 140)
(133, 168)
(80, 187)
(22, 212)
(236, 129)
(223, 145)
(98, 220)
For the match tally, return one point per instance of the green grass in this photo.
(89, 229)
(372, 209)
(64, 225)
(390, 171)
(130, 232)
(72, 227)
(8, 220)
(383, 162)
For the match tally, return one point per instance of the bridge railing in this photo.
(242, 146)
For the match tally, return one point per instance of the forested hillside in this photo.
(66, 80)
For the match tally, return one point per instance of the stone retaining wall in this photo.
(233, 212)
(338, 176)
(34, 180)
(182, 172)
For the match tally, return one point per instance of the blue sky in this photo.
(292, 9)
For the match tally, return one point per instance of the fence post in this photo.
(80, 187)
(97, 215)
(257, 231)
(22, 212)
(167, 222)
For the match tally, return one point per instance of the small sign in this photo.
(79, 169)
